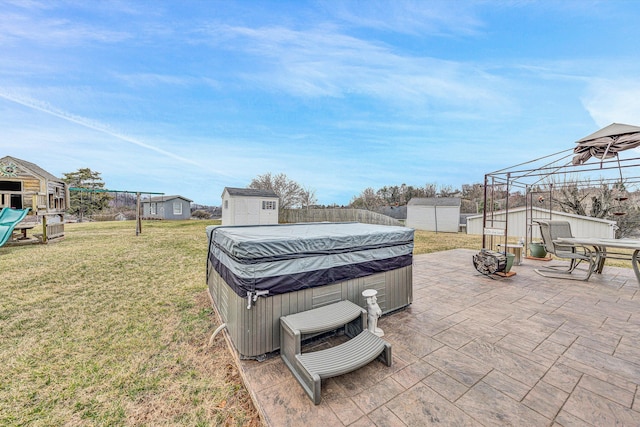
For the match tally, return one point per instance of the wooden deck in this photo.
(524, 350)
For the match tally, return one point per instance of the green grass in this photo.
(426, 242)
(110, 328)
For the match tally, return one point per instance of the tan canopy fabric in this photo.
(607, 142)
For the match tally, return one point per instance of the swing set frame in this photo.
(138, 200)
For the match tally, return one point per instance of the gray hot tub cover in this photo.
(290, 257)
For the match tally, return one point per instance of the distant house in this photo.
(167, 207)
(440, 214)
(26, 185)
(246, 206)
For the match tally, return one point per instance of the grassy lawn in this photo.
(110, 328)
(426, 242)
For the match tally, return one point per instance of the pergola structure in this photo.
(605, 158)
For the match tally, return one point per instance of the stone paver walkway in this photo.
(522, 351)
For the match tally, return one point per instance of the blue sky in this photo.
(187, 97)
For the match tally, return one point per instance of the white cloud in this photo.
(444, 18)
(322, 62)
(88, 123)
(18, 27)
(613, 101)
(155, 79)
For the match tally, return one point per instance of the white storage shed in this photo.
(440, 214)
(581, 226)
(247, 206)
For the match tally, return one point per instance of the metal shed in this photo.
(440, 214)
(581, 226)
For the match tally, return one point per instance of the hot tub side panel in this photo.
(256, 331)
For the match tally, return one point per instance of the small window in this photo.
(177, 208)
(152, 208)
(226, 204)
(268, 205)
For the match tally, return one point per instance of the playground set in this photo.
(30, 198)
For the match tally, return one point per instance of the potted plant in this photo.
(537, 250)
(510, 258)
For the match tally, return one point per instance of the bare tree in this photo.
(472, 197)
(571, 199)
(308, 198)
(399, 195)
(448, 191)
(628, 223)
(430, 190)
(368, 199)
(290, 193)
(599, 201)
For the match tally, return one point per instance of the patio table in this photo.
(22, 229)
(601, 245)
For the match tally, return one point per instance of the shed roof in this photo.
(435, 201)
(546, 212)
(31, 167)
(249, 192)
(166, 198)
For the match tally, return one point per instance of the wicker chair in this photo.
(575, 253)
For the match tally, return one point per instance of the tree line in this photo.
(295, 196)
(399, 195)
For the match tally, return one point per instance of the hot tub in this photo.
(256, 274)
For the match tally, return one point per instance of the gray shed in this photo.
(248, 206)
(167, 207)
(434, 214)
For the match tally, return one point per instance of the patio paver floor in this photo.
(525, 350)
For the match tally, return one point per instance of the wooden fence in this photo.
(336, 215)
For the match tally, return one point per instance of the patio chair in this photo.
(575, 253)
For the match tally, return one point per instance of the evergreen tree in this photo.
(87, 195)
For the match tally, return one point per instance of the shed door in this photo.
(253, 211)
(247, 212)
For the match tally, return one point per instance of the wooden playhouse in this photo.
(25, 185)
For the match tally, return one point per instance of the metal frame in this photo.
(540, 177)
(138, 200)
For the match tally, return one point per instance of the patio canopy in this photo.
(607, 142)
